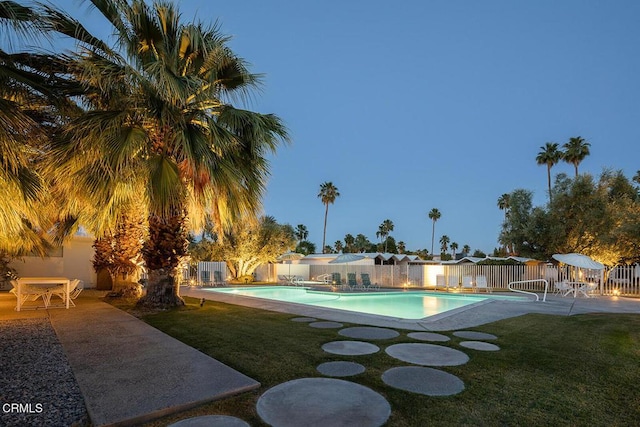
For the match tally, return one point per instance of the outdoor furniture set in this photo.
(30, 289)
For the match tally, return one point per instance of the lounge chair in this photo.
(59, 291)
(440, 281)
(453, 282)
(467, 283)
(336, 280)
(481, 283)
(29, 293)
(366, 282)
(587, 288)
(217, 279)
(351, 281)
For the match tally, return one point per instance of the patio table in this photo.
(48, 282)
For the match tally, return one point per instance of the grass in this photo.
(551, 370)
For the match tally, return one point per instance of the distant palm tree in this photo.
(636, 177)
(434, 215)
(301, 232)
(383, 231)
(575, 151)
(466, 249)
(328, 194)
(549, 155)
(338, 246)
(454, 248)
(503, 204)
(349, 243)
(402, 247)
(444, 243)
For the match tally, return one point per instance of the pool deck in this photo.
(487, 311)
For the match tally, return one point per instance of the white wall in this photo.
(75, 262)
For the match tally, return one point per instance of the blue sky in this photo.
(422, 104)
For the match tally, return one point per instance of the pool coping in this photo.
(430, 323)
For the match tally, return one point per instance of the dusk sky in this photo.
(415, 105)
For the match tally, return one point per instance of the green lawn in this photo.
(551, 370)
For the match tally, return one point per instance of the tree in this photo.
(306, 247)
(301, 232)
(514, 229)
(338, 246)
(349, 243)
(503, 204)
(575, 151)
(444, 243)
(402, 247)
(328, 194)
(434, 215)
(549, 155)
(362, 243)
(466, 249)
(454, 248)
(159, 127)
(636, 177)
(383, 232)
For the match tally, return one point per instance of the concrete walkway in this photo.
(128, 371)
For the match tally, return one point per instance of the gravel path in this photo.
(37, 386)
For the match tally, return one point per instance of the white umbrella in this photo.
(346, 259)
(578, 260)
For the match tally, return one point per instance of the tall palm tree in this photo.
(575, 151)
(301, 232)
(383, 231)
(402, 247)
(160, 127)
(434, 215)
(549, 155)
(454, 248)
(503, 204)
(636, 177)
(338, 246)
(466, 249)
(328, 194)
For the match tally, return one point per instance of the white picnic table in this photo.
(45, 282)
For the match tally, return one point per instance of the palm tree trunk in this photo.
(324, 233)
(166, 245)
(549, 181)
(433, 234)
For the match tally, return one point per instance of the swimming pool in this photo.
(403, 305)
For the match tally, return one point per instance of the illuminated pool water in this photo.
(403, 305)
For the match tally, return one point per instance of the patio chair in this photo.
(336, 280)
(467, 283)
(59, 291)
(366, 282)
(217, 279)
(481, 283)
(29, 293)
(587, 288)
(351, 281)
(453, 282)
(563, 288)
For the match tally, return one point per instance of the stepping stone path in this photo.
(320, 402)
(369, 333)
(479, 345)
(421, 380)
(472, 335)
(326, 325)
(427, 354)
(211, 421)
(350, 348)
(428, 336)
(340, 369)
(303, 319)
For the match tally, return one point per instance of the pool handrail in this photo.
(546, 288)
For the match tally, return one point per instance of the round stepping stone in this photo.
(340, 369)
(428, 336)
(369, 333)
(350, 348)
(479, 345)
(427, 354)
(319, 402)
(421, 380)
(211, 421)
(326, 325)
(304, 319)
(472, 335)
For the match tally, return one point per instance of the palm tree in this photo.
(444, 243)
(503, 204)
(454, 248)
(301, 232)
(636, 177)
(383, 231)
(575, 151)
(549, 155)
(466, 249)
(349, 243)
(328, 194)
(434, 215)
(402, 247)
(338, 246)
(160, 128)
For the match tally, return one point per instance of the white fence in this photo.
(620, 280)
